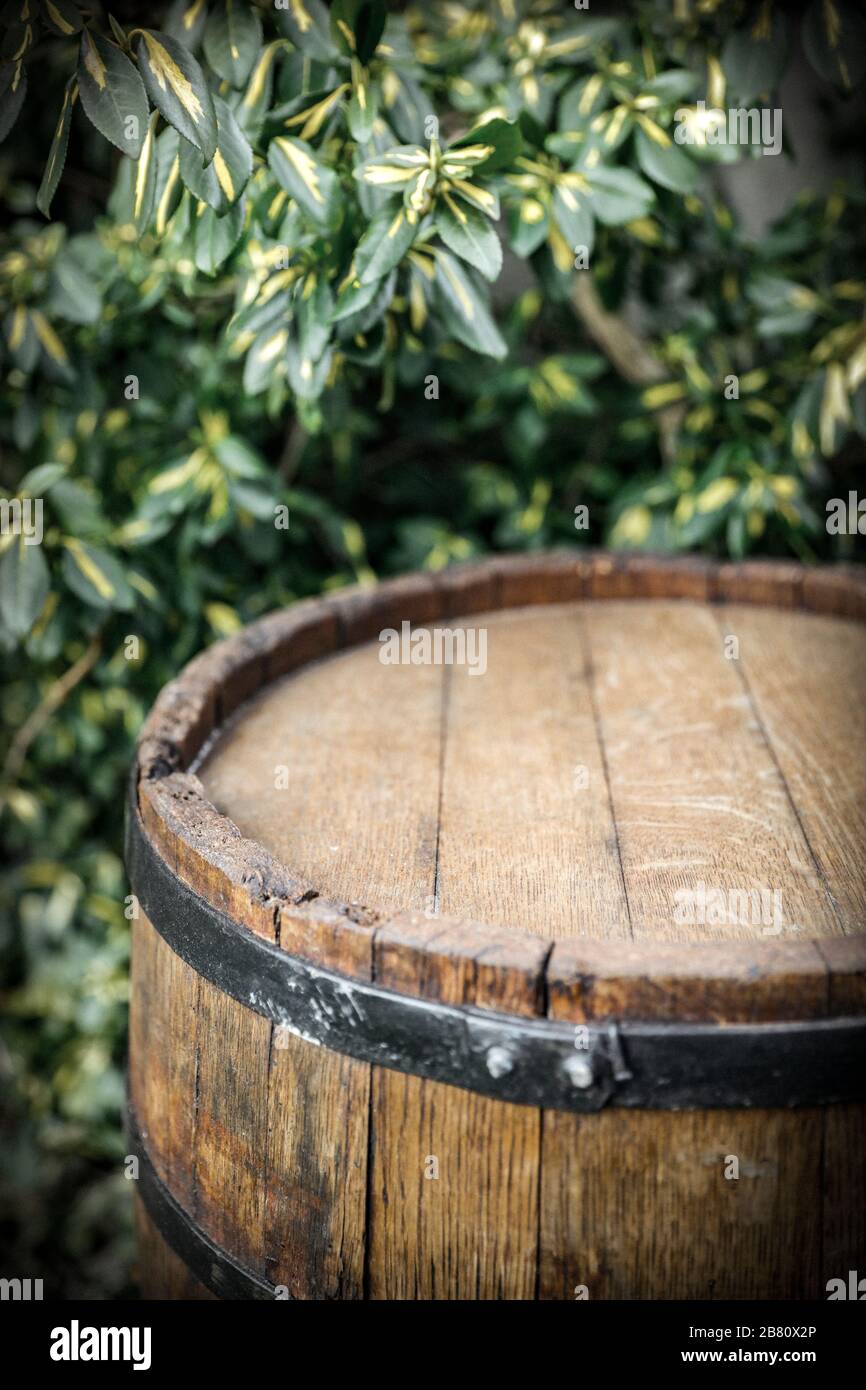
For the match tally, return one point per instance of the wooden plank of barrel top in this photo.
(502, 934)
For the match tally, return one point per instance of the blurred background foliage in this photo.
(181, 358)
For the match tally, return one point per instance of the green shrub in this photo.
(271, 345)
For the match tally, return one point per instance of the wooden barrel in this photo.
(500, 934)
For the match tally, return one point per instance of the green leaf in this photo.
(484, 200)
(112, 93)
(574, 217)
(24, 586)
(20, 334)
(384, 244)
(528, 225)
(362, 111)
(26, 424)
(784, 322)
(223, 181)
(667, 165)
(463, 309)
(63, 17)
(393, 171)
(406, 107)
(306, 24)
(581, 102)
(77, 509)
(57, 153)
(13, 89)
(119, 33)
(579, 42)
(239, 459)
(96, 577)
(505, 143)
(144, 182)
(357, 26)
(355, 298)
(265, 358)
(313, 319)
(753, 61)
(41, 479)
(169, 186)
(250, 112)
(607, 133)
(834, 37)
(216, 237)
(306, 377)
(787, 307)
(232, 40)
(312, 184)
(73, 295)
(470, 236)
(176, 85)
(672, 86)
(717, 494)
(309, 113)
(257, 502)
(736, 534)
(184, 20)
(618, 195)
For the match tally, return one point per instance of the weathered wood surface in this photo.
(807, 682)
(611, 755)
(454, 1177)
(633, 1204)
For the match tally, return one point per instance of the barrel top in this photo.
(659, 767)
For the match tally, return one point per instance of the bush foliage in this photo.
(293, 297)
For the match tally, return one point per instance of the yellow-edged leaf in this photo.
(176, 85)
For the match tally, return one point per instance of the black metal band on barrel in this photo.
(536, 1062)
(208, 1262)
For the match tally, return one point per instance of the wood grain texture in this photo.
(420, 798)
(698, 800)
(765, 982)
(316, 1185)
(807, 679)
(254, 884)
(318, 1128)
(526, 834)
(454, 1176)
(636, 1204)
(609, 760)
(339, 767)
(844, 1182)
(162, 1042)
(231, 1126)
(470, 1231)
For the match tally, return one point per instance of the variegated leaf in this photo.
(175, 84)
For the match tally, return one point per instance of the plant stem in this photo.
(50, 703)
(628, 353)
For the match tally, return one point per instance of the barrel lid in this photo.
(616, 788)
